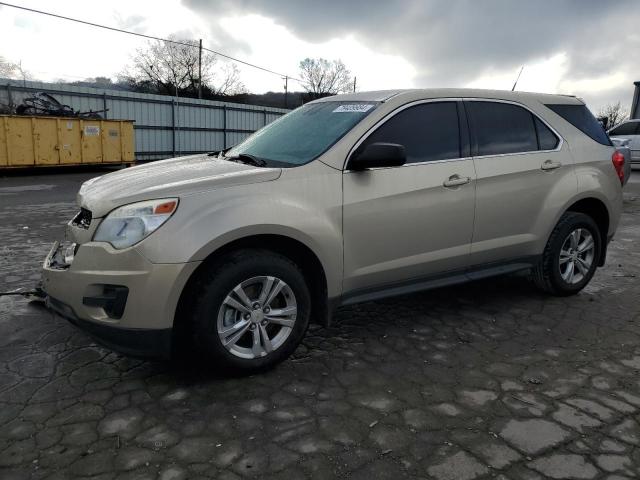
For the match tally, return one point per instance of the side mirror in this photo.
(378, 155)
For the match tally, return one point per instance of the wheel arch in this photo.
(595, 208)
(294, 249)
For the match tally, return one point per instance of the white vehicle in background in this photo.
(630, 130)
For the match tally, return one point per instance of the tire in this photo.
(217, 307)
(569, 275)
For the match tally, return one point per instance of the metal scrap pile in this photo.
(44, 104)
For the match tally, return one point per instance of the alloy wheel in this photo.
(577, 255)
(257, 317)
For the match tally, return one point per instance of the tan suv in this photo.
(344, 200)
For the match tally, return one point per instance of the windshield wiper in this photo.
(248, 159)
(217, 153)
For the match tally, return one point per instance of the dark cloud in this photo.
(453, 42)
(219, 39)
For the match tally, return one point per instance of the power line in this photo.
(151, 37)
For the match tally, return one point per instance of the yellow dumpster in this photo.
(27, 141)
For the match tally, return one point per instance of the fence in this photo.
(164, 126)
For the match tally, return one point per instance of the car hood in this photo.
(167, 178)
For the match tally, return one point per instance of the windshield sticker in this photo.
(354, 107)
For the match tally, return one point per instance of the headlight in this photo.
(129, 224)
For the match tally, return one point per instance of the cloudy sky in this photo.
(590, 48)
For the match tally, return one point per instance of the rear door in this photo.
(519, 162)
(408, 222)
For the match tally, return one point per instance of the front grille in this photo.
(82, 219)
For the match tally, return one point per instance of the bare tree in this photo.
(229, 81)
(164, 67)
(7, 69)
(615, 114)
(323, 77)
(13, 70)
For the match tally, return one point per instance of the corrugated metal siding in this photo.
(164, 126)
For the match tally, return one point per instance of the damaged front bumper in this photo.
(119, 297)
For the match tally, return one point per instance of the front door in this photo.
(405, 223)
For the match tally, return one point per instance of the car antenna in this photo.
(517, 78)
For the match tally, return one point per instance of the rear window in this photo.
(580, 117)
(628, 128)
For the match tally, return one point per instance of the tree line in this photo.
(175, 67)
(170, 68)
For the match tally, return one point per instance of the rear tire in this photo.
(570, 257)
(249, 310)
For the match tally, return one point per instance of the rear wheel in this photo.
(250, 311)
(571, 256)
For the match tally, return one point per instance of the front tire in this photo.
(250, 310)
(570, 257)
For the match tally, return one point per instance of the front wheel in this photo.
(571, 256)
(250, 311)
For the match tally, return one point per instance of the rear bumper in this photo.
(145, 343)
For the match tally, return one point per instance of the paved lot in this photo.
(488, 379)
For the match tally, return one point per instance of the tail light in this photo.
(618, 163)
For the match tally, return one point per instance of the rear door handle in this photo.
(455, 181)
(550, 165)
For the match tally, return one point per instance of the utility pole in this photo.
(354, 84)
(286, 92)
(200, 69)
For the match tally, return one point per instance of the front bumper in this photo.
(146, 343)
(78, 287)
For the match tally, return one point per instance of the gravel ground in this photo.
(488, 379)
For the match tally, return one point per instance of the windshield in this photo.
(303, 134)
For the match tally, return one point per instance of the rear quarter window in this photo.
(580, 117)
(547, 140)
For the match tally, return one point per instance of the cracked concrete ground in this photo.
(489, 379)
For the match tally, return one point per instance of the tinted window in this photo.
(580, 117)
(502, 128)
(428, 132)
(547, 140)
(628, 128)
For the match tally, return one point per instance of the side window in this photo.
(628, 128)
(428, 131)
(547, 140)
(501, 128)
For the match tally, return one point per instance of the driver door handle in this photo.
(550, 165)
(455, 181)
